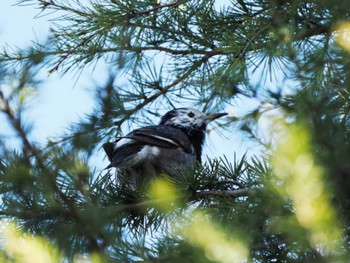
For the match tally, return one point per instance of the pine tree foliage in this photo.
(289, 203)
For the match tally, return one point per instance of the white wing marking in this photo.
(122, 142)
(146, 153)
(164, 139)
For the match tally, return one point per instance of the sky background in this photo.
(63, 100)
(60, 99)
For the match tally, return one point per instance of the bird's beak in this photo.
(213, 116)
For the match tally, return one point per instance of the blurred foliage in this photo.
(289, 203)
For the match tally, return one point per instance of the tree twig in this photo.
(164, 90)
(17, 125)
(229, 193)
(29, 147)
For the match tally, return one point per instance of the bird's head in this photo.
(189, 119)
(192, 122)
(184, 118)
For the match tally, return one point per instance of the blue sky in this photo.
(62, 100)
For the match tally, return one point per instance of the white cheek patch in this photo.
(175, 121)
(199, 121)
(182, 119)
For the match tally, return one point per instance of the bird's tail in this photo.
(108, 147)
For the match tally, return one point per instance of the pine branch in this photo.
(315, 30)
(230, 193)
(85, 41)
(17, 125)
(57, 7)
(201, 42)
(207, 52)
(155, 9)
(50, 179)
(166, 89)
(133, 14)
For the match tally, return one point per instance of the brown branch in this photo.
(229, 193)
(155, 9)
(71, 51)
(162, 49)
(277, 19)
(200, 194)
(136, 49)
(88, 39)
(17, 125)
(313, 31)
(28, 146)
(51, 3)
(164, 90)
(234, 182)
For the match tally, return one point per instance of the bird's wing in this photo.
(162, 136)
(130, 149)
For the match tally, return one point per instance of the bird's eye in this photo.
(190, 114)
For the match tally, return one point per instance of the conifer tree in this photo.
(288, 203)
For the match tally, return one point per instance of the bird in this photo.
(173, 146)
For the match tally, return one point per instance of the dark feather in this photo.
(126, 152)
(108, 147)
(162, 136)
(175, 144)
